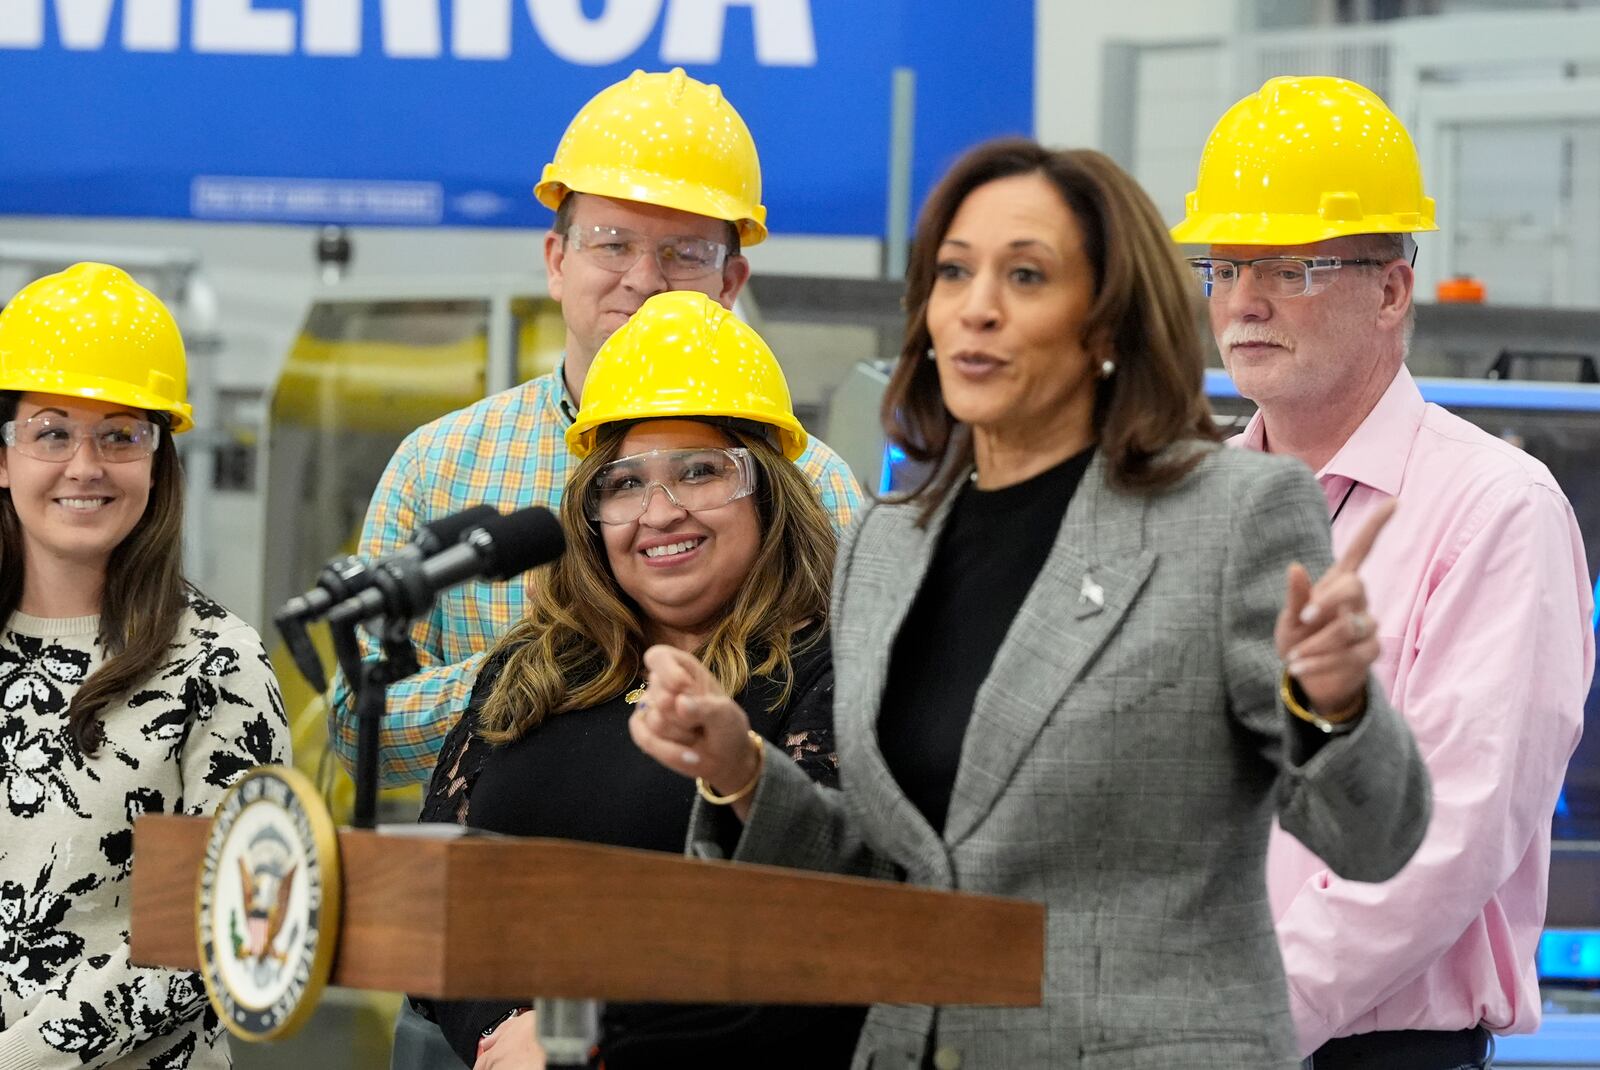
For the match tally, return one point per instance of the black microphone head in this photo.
(293, 629)
(516, 542)
(447, 531)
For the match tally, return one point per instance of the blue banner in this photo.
(442, 112)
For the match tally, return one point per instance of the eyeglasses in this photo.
(694, 480)
(616, 250)
(117, 439)
(1279, 276)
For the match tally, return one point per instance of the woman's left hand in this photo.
(514, 1046)
(1325, 636)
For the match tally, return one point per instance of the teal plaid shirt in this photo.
(508, 451)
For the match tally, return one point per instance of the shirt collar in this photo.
(1254, 435)
(1377, 452)
(559, 397)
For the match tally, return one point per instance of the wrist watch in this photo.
(489, 1029)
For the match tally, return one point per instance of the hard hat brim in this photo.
(581, 435)
(94, 388)
(627, 184)
(1262, 228)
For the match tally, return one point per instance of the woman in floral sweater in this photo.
(123, 691)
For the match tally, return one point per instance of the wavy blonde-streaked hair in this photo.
(582, 642)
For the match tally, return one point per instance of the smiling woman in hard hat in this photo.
(688, 524)
(1085, 662)
(656, 186)
(126, 691)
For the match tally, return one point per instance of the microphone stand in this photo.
(396, 661)
(401, 590)
(407, 598)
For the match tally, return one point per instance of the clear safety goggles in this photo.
(1277, 276)
(616, 250)
(694, 480)
(117, 439)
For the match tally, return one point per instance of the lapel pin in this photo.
(1091, 592)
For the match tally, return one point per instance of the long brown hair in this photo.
(582, 642)
(1142, 317)
(144, 594)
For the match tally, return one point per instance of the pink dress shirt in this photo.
(1480, 590)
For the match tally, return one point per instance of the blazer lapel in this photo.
(894, 580)
(1093, 574)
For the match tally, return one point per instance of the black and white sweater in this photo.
(68, 995)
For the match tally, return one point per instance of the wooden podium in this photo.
(473, 917)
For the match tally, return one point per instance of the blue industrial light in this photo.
(1569, 955)
(893, 457)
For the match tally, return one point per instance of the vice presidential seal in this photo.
(268, 904)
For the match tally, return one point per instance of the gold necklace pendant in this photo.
(632, 697)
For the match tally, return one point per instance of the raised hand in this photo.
(688, 723)
(1325, 636)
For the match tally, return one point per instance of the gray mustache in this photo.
(1239, 335)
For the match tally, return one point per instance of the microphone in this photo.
(403, 588)
(499, 548)
(346, 576)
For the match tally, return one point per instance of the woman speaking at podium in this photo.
(687, 525)
(123, 690)
(1084, 663)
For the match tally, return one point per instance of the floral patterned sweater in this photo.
(68, 994)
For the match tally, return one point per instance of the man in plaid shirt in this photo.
(655, 186)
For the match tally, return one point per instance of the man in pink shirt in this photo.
(1308, 191)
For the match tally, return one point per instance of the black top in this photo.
(579, 776)
(993, 545)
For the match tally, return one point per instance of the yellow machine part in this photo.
(400, 384)
(377, 386)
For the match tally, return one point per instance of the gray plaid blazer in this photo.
(1126, 756)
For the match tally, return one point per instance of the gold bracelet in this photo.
(1343, 721)
(723, 800)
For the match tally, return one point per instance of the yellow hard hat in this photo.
(684, 355)
(92, 332)
(1303, 160)
(663, 139)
